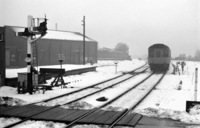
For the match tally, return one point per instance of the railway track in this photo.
(125, 112)
(67, 99)
(98, 85)
(110, 84)
(85, 116)
(120, 117)
(129, 110)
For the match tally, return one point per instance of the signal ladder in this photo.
(34, 55)
(35, 63)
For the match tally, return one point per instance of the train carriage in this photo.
(159, 57)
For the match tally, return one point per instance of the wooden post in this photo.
(116, 67)
(196, 83)
(191, 104)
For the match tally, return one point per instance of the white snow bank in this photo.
(171, 114)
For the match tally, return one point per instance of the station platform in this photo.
(12, 74)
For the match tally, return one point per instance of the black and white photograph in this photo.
(99, 63)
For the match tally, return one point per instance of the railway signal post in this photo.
(29, 33)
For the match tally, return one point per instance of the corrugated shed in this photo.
(49, 47)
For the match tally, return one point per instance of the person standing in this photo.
(182, 66)
(177, 67)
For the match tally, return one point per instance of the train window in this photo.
(158, 54)
(165, 53)
(151, 53)
(1, 36)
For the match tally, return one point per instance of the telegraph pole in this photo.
(83, 39)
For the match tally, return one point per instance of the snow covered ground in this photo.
(168, 100)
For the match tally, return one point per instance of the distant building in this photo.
(109, 54)
(46, 51)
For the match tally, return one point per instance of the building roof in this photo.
(56, 34)
(159, 45)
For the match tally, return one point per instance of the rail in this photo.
(65, 104)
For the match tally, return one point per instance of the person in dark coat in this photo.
(177, 67)
(182, 66)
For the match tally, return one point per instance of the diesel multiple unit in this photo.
(159, 57)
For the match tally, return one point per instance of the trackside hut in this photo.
(48, 49)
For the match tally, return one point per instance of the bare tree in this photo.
(122, 47)
(197, 55)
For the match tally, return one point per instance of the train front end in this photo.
(159, 57)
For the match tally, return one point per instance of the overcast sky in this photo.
(138, 23)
